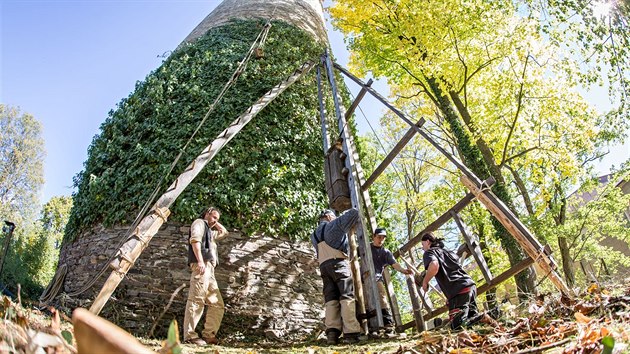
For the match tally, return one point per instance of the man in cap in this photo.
(330, 240)
(382, 257)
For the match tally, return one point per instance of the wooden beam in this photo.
(473, 247)
(393, 301)
(521, 234)
(519, 267)
(354, 166)
(390, 157)
(417, 307)
(436, 224)
(358, 99)
(322, 111)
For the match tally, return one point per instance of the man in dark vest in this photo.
(202, 258)
(330, 240)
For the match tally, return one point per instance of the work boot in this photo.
(332, 336)
(211, 340)
(196, 341)
(351, 338)
(354, 338)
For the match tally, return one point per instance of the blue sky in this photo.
(69, 62)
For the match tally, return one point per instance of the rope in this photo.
(56, 284)
(484, 186)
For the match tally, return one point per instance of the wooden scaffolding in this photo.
(358, 187)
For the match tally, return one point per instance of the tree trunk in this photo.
(472, 157)
(565, 254)
(567, 262)
(491, 295)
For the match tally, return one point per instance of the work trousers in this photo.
(462, 309)
(339, 297)
(203, 291)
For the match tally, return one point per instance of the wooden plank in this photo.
(417, 307)
(352, 163)
(473, 247)
(150, 224)
(393, 301)
(436, 224)
(528, 242)
(390, 157)
(357, 100)
(322, 111)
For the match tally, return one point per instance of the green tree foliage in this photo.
(505, 93)
(21, 177)
(21, 164)
(34, 249)
(595, 32)
(268, 180)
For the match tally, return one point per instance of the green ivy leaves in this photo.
(268, 180)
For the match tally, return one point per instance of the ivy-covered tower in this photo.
(268, 181)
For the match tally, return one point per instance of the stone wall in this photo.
(305, 14)
(271, 287)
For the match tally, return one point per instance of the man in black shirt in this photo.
(455, 283)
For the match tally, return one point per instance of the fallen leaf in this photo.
(582, 318)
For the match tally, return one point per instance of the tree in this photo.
(505, 93)
(34, 251)
(21, 163)
(53, 220)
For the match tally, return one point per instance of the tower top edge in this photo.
(307, 15)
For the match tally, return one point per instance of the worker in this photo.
(458, 287)
(330, 240)
(202, 259)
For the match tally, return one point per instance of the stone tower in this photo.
(268, 181)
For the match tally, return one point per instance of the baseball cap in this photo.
(380, 231)
(326, 212)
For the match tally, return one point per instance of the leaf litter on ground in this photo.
(596, 321)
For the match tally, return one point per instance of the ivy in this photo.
(267, 180)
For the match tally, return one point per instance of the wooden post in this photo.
(353, 165)
(393, 301)
(150, 224)
(322, 111)
(473, 247)
(7, 241)
(417, 307)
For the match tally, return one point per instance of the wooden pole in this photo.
(392, 154)
(528, 242)
(353, 165)
(7, 242)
